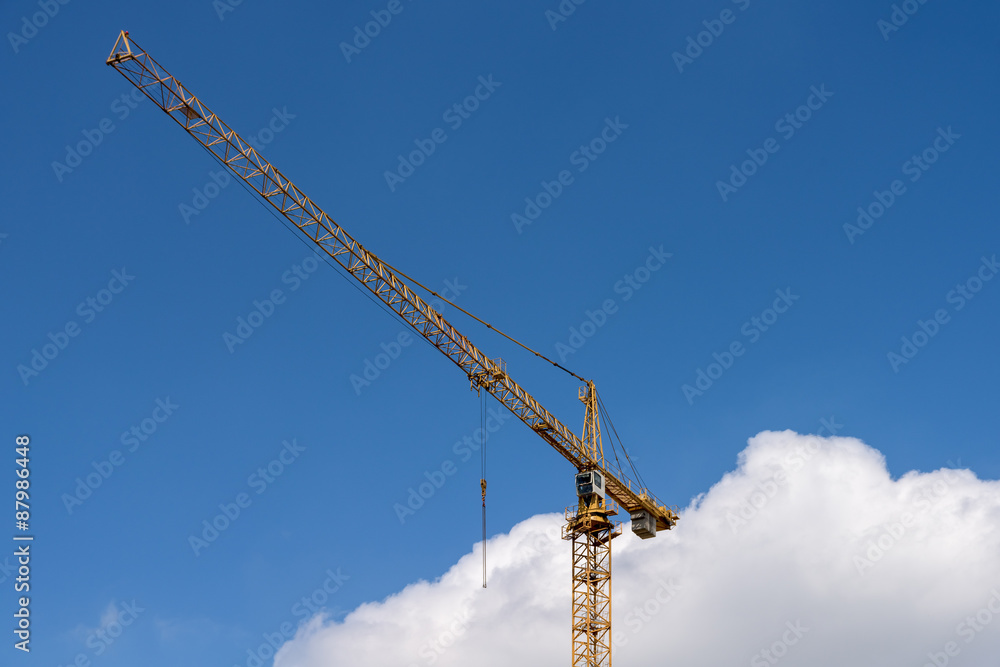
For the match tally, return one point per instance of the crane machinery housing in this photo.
(602, 486)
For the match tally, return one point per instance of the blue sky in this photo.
(833, 108)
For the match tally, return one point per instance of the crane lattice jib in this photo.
(245, 162)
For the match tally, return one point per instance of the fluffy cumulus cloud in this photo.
(809, 553)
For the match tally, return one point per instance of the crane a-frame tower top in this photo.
(600, 484)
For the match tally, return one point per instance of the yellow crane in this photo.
(602, 486)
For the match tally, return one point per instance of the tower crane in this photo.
(602, 486)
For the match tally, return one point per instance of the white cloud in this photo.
(108, 616)
(808, 550)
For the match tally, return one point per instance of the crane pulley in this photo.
(602, 487)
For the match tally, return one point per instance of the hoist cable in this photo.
(482, 480)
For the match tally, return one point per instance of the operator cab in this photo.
(590, 483)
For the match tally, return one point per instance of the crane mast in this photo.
(601, 488)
